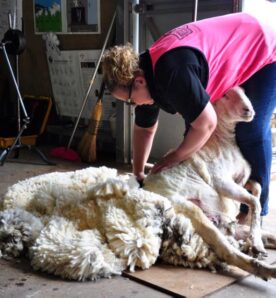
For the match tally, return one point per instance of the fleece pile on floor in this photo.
(94, 223)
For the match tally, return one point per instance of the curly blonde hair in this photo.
(119, 65)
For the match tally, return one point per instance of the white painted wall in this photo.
(170, 133)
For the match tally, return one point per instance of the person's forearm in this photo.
(142, 143)
(199, 132)
(193, 142)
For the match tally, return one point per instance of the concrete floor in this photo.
(17, 278)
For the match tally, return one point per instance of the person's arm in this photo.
(142, 143)
(199, 133)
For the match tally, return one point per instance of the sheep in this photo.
(94, 223)
(54, 9)
(217, 173)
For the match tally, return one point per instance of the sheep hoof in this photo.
(259, 251)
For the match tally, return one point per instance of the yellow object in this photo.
(87, 148)
(38, 109)
(88, 144)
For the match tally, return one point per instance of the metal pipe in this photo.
(135, 26)
(135, 43)
(237, 5)
(195, 11)
(92, 81)
(15, 82)
(126, 20)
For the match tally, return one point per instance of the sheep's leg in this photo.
(254, 188)
(269, 239)
(243, 232)
(218, 242)
(231, 190)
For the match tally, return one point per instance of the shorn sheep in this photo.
(218, 172)
(94, 223)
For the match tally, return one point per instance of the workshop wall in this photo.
(33, 68)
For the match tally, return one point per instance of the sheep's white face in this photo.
(235, 105)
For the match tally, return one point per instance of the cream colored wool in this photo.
(80, 255)
(18, 230)
(67, 186)
(133, 226)
(126, 222)
(182, 246)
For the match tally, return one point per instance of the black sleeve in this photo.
(146, 115)
(188, 96)
(182, 76)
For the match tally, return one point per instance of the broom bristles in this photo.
(87, 146)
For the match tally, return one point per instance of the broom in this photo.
(88, 144)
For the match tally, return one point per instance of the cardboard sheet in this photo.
(182, 282)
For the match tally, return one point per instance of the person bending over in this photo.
(184, 72)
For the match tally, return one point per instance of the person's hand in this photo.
(140, 178)
(167, 161)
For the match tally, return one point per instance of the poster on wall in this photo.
(67, 16)
(47, 15)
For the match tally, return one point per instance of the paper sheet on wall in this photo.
(71, 73)
(88, 61)
(66, 82)
(15, 8)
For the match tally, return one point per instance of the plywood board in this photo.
(182, 282)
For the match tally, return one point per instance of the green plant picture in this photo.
(47, 15)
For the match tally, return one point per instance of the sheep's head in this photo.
(234, 106)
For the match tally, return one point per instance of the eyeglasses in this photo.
(129, 101)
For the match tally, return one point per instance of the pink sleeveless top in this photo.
(235, 46)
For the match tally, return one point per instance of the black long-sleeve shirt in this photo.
(177, 85)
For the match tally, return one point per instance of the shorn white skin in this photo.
(216, 173)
